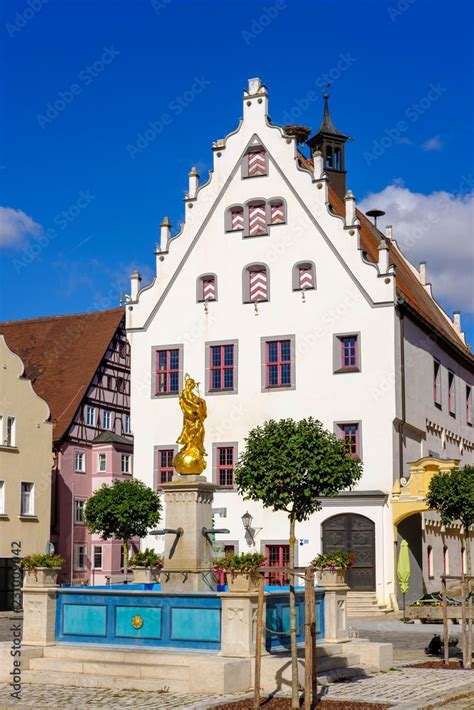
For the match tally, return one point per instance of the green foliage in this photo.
(289, 465)
(145, 558)
(331, 560)
(451, 493)
(41, 560)
(245, 562)
(123, 510)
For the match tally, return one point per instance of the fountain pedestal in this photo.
(187, 563)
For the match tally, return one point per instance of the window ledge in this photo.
(28, 517)
(4, 516)
(438, 405)
(11, 449)
(343, 370)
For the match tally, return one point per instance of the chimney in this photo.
(422, 271)
(388, 231)
(193, 183)
(350, 201)
(457, 321)
(165, 233)
(318, 164)
(384, 257)
(135, 279)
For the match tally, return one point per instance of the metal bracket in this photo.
(171, 531)
(207, 532)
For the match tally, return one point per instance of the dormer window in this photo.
(207, 288)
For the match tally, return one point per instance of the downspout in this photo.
(402, 392)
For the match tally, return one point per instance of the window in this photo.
(257, 219)
(278, 363)
(120, 384)
(2, 497)
(451, 394)
(430, 562)
(350, 432)
(97, 556)
(347, 352)
(168, 372)
(236, 219)
(256, 163)
(277, 212)
(468, 405)
(79, 557)
(126, 463)
(303, 277)
(437, 383)
(122, 350)
(224, 462)
(463, 560)
(79, 506)
(127, 429)
(80, 461)
(27, 500)
(101, 463)
(110, 382)
(206, 289)
(221, 368)
(256, 283)
(164, 465)
(107, 417)
(90, 416)
(10, 436)
(445, 560)
(277, 556)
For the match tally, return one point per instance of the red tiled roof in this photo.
(409, 286)
(61, 355)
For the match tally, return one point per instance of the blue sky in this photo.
(81, 197)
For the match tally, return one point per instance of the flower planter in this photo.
(331, 576)
(143, 575)
(242, 581)
(41, 577)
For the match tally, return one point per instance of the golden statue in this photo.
(190, 460)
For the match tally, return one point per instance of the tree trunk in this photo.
(468, 572)
(295, 697)
(125, 558)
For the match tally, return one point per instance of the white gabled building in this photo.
(284, 301)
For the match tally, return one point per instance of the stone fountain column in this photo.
(187, 564)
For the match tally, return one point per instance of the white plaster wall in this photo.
(350, 297)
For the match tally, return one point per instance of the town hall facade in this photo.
(283, 300)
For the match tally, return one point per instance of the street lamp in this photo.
(247, 521)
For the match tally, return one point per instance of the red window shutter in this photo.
(277, 213)
(237, 219)
(257, 220)
(258, 285)
(306, 277)
(257, 163)
(209, 289)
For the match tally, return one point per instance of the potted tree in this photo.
(41, 569)
(146, 566)
(241, 570)
(331, 567)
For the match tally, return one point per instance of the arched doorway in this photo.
(353, 533)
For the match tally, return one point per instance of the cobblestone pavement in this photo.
(405, 689)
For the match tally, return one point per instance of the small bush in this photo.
(331, 560)
(245, 562)
(41, 560)
(146, 558)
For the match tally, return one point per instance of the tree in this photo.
(122, 511)
(289, 466)
(451, 494)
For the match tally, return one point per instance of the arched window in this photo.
(445, 560)
(277, 211)
(329, 157)
(234, 218)
(256, 283)
(255, 162)
(463, 560)
(206, 288)
(304, 276)
(257, 222)
(430, 562)
(337, 158)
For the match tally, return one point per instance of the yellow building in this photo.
(25, 469)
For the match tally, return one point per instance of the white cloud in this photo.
(16, 226)
(436, 228)
(433, 143)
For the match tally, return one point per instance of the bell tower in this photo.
(331, 143)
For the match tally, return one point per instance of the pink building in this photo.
(80, 364)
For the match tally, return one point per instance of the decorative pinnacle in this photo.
(193, 172)
(165, 222)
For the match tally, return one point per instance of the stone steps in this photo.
(364, 604)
